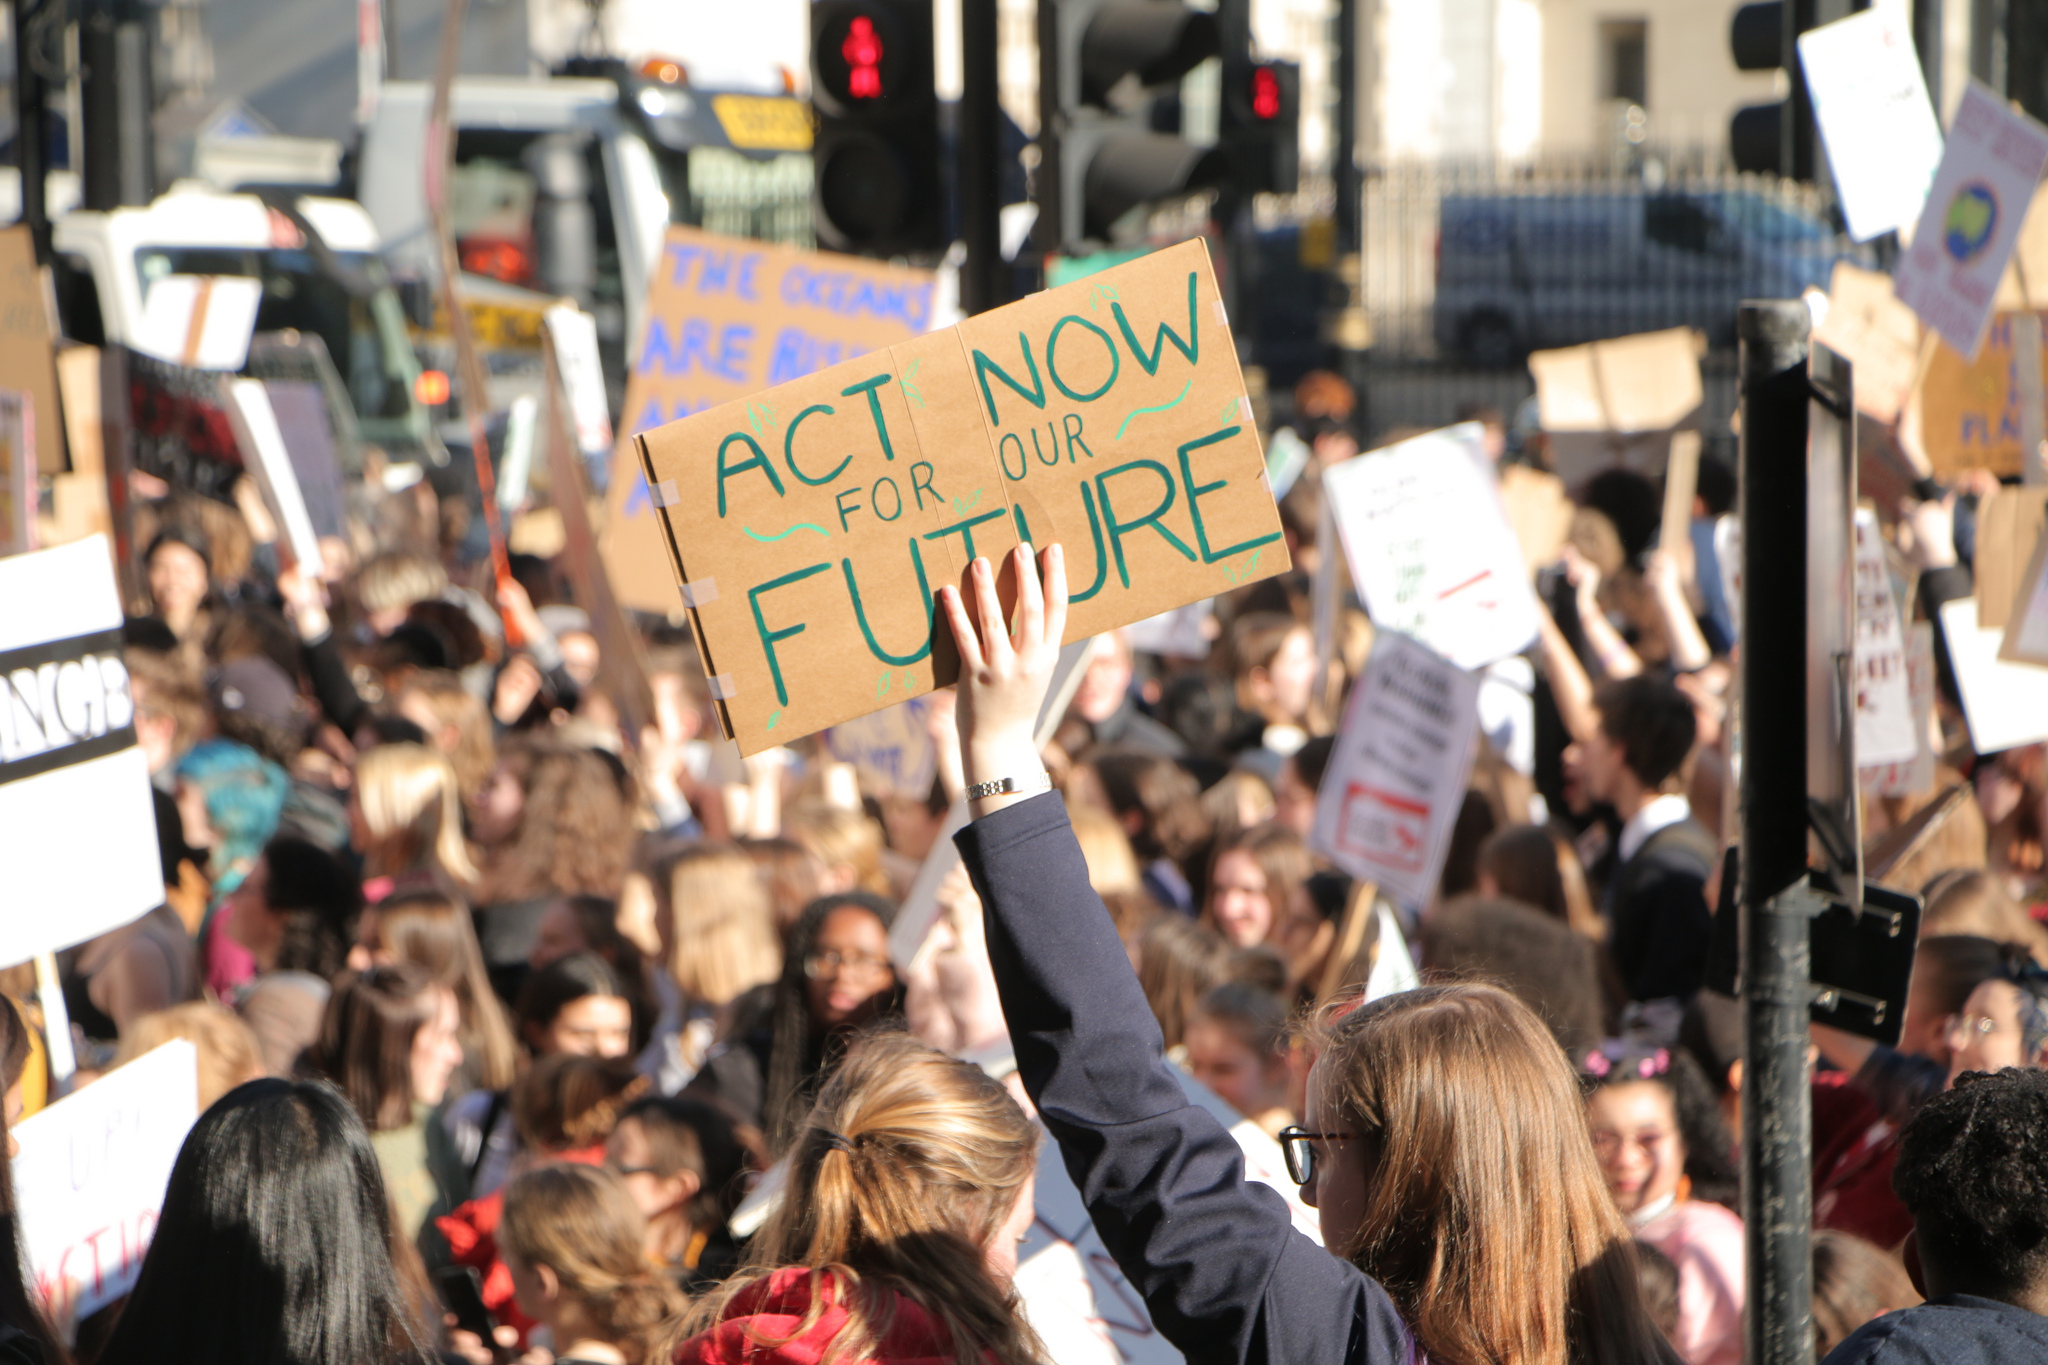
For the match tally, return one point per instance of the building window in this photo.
(1624, 61)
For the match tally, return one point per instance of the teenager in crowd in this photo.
(227, 1051)
(390, 1042)
(1438, 1119)
(1658, 1134)
(273, 1244)
(836, 979)
(1254, 879)
(1973, 1168)
(434, 930)
(716, 925)
(572, 1238)
(25, 1334)
(685, 1162)
(296, 915)
(1854, 1282)
(406, 813)
(1237, 1046)
(908, 1188)
(230, 800)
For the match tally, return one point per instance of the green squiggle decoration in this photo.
(772, 719)
(1140, 412)
(800, 526)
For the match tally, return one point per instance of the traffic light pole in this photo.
(980, 151)
(26, 22)
(1777, 1122)
(1350, 214)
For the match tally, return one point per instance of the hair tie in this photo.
(835, 1140)
(1597, 1063)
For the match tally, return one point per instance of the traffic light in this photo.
(1260, 125)
(1777, 136)
(1100, 59)
(876, 158)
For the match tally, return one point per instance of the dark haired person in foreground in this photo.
(1444, 1147)
(1973, 1169)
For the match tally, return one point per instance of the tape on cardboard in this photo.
(1222, 314)
(1244, 409)
(723, 687)
(701, 593)
(663, 494)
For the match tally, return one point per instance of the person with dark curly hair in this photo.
(1973, 1170)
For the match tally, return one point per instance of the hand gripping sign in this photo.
(811, 525)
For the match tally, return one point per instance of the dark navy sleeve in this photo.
(1220, 1266)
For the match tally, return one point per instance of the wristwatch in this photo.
(1011, 786)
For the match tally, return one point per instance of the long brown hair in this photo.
(412, 804)
(1489, 1224)
(435, 931)
(20, 1308)
(902, 1175)
(581, 1222)
(366, 1037)
(1283, 860)
(575, 833)
(720, 926)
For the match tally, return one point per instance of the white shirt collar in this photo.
(1661, 813)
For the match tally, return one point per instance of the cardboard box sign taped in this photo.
(811, 524)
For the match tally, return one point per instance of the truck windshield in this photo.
(372, 359)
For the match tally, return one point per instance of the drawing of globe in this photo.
(1972, 215)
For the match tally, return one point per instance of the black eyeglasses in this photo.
(1296, 1145)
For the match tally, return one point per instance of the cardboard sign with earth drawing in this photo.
(811, 525)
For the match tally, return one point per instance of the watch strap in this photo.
(1010, 786)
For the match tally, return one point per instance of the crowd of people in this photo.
(525, 1036)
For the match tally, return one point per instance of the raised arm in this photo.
(1220, 1267)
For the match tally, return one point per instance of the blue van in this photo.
(1523, 272)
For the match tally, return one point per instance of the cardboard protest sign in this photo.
(2025, 283)
(2026, 624)
(1971, 220)
(264, 454)
(1870, 100)
(17, 472)
(1430, 549)
(2009, 523)
(1647, 382)
(890, 749)
(811, 525)
(1884, 705)
(2006, 704)
(727, 317)
(302, 420)
(1968, 411)
(1397, 773)
(71, 775)
(1916, 774)
(1865, 322)
(1073, 1293)
(1539, 511)
(91, 1175)
(28, 341)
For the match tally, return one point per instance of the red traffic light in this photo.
(1265, 93)
(863, 52)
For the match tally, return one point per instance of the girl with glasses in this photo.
(1443, 1146)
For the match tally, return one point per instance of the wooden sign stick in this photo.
(1359, 911)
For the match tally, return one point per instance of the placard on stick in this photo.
(811, 525)
(1969, 410)
(27, 345)
(727, 317)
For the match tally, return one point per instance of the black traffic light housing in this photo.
(1260, 125)
(1100, 158)
(877, 189)
(1777, 136)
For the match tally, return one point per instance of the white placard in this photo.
(1917, 774)
(203, 322)
(1972, 218)
(263, 451)
(91, 1175)
(2005, 704)
(1076, 1298)
(1398, 771)
(1870, 100)
(1430, 548)
(78, 852)
(575, 336)
(1884, 702)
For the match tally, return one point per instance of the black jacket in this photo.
(1956, 1329)
(1224, 1273)
(1658, 906)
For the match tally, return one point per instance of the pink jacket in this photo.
(1705, 1242)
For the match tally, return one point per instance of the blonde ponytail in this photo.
(905, 1171)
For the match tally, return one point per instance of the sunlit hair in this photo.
(575, 834)
(581, 1222)
(567, 1102)
(366, 1038)
(903, 1174)
(720, 927)
(792, 874)
(227, 1050)
(1256, 639)
(840, 838)
(20, 1307)
(442, 693)
(1111, 864)
(1488, 1221)
(1179, 962)
(244, 799)
(435, 931)
(1532, 865)
(1282, 858)
(412, 805)
(393, 582)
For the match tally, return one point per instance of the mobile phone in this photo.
(462, 1291)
